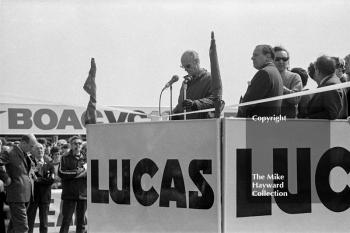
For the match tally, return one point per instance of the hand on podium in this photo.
(189, 105)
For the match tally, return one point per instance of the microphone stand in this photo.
(185, 97)
(160, 100)
(171, 100)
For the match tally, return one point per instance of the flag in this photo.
(216, 83)
(90, 88)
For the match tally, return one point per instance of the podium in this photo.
(219, 175)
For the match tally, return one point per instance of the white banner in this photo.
(288, 176)
(154, 177)
(58, 119)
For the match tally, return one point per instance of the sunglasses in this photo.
(281, 58)
(77, 143)
(186, 66)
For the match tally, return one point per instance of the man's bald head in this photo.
(190, 62)
(27, 142)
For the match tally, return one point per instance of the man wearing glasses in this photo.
(72, 170)
(291, 82)
(199, 93)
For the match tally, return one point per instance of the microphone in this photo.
(172, 80)
(188, 78)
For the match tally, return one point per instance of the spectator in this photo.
(311, 70)
(347, 76)
(84, 148)
(45, 174)
(325, 105)
(56, 159)
(61, 142)
(199, 93)
(291, 82)
(72, 171)
(304, 100)
(2, 195)
(267, 82)
(347, 67)
(43, 142)
(17, 174)
(65, 148)
(340, 68)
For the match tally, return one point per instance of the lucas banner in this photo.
(154, 177)
(289, 176)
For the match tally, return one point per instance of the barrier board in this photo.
(154, 177)
(289, 176)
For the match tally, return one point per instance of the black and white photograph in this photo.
(174, 116)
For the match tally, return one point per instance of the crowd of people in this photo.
(274, 78)
(29, 169)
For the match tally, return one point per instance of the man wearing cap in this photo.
(199, 93)
(267, 82)
(72, 170)
(17, 173)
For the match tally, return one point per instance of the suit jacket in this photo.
(42, 185)
(18, 166)
(199, 90)
(326, 105)
(266, 83)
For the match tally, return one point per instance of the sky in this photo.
(46, 46)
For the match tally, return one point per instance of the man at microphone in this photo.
(199, 94)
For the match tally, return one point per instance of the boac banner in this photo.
(58, 119)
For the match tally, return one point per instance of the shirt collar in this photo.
(325, 79)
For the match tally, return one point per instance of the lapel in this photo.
(25, 158)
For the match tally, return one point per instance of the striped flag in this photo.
(90, 88)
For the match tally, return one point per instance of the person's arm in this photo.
(296, 86)
(206, 91)
(178, 108)
(48, 177)
(4, 159)
(65, 173)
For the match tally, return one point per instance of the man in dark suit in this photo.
(267, 82)
(17, 173)
(45, 174)
(329, 104)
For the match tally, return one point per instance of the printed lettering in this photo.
(172, 172)
(206, 200)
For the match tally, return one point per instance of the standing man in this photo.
(267, 82)
(329, 104)
(347, 68)
(17, 174)
(199, 93)
(291, 82)
(72, 170)
(45, 174)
